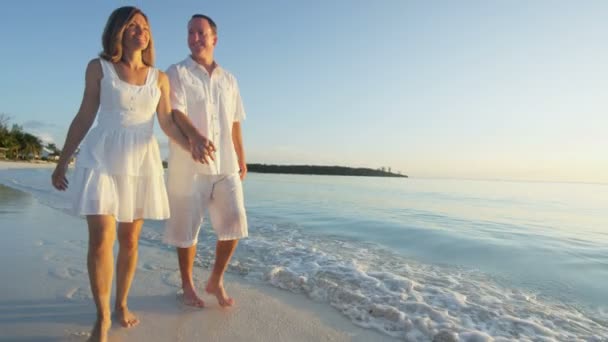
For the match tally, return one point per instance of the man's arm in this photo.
(237, 141)
(237, 135)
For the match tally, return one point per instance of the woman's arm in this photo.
(200, 147)
(179, 128)
(81, 123)
(165, 119)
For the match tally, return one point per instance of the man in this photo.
(208, 96)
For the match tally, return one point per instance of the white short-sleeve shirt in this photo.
(213, 103)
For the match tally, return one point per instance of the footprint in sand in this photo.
(60, 273)
(150, 267)
(78, 335)
(73, 272)
(172, 279)
(77, 293)
(78, 243)
(65, 273)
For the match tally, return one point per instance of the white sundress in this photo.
(118, 170)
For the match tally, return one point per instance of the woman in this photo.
(119, 175)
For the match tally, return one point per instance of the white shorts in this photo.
(192, 194)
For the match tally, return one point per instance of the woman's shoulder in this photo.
(162, 79)
(162, 76)
(95, 63)
(94, 68)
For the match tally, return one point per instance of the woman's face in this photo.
(137, 33)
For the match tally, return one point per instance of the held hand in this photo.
(243, 170)
(58, 178)
(202, 149)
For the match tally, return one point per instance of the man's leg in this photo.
(227, 213)
(186, 200)
(128, 240)
(215, 285)
(185, 258)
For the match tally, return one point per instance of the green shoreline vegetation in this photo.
(17, 144)
(320, 170)
(323, 170)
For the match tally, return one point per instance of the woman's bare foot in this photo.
(217, 289)
(100, 330)
(125, 317)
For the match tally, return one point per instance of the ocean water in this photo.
(420, 259)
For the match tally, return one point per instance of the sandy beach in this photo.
(45, 296)
(6, 164)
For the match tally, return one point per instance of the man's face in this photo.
(201, 39)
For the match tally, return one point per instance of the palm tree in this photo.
(32, 145)
(19, 143)
(5, 137)
(52, 147)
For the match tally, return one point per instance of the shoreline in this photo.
(45, 293)
(18, 164)
(357, 279)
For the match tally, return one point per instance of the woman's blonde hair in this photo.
(111, 39)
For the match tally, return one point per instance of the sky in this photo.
(513, 90)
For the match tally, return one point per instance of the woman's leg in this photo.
(126, 263)
(102, 233)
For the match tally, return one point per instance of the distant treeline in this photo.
(317, 170)
(320, 170)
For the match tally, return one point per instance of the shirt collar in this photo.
(191, 64)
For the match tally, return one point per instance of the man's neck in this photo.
(206, 62)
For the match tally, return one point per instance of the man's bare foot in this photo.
(100, 330)
(217, 289)
(125, 317)
(191, 298)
